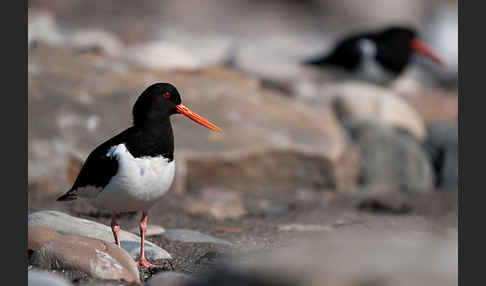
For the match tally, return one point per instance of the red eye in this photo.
(166, 94)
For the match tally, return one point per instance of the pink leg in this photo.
(115, 228)
(143, 228)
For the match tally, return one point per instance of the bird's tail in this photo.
(316, 61)
(68, 196)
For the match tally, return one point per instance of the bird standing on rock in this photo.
(134, 169)
(378, 57)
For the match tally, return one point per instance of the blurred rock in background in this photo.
(336, 259)
(269, 33)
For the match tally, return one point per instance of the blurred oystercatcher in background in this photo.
(134, 169)
(378, 57)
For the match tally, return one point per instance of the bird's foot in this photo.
(144, 262)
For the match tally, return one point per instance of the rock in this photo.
(168, 279)
(43, 278)
(219, 204)
(73, 166)
(161, 55)
(38, 236)
(435, 106)
(152, 230)
(352, 100)
(208, 48)
(95, 40)
(441, 145)
(392, 160)
(375, 13)
(66, 224)
(42, 189)
(337, 258)
(275, 71)
(186, 235)
(229, 75)
(261, 131)
(255, 123)
(98, 258)
(42, 26)
(270, 168)
(282, 70)
(179, 49)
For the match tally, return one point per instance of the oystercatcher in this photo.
(378, 57)
(134, 169)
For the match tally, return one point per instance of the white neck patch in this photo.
(370, 69)
(368, 48)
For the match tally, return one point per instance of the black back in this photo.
(393, 50)
(346, 55)
(151, 135)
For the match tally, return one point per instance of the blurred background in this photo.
(302, 153)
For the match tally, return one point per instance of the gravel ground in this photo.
(257, 231)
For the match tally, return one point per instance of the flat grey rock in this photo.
(66, 224)
(186, 235)
(152, 230)
(43, 278)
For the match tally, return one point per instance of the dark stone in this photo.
(393, 159)
(441, 146)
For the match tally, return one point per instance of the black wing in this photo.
(345, 54)
(98, 169)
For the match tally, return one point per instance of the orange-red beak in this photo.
(182, 109)
(420, 47)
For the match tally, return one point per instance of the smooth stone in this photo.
(185, 235)
(38, 236)
(352, 100)
(152, 230)
(44, 278)
(66, 224)
(220, 204)
(168, 279)
(85, 39)
(98, 258)
(393, 160)
(434, 105)
(161, 55)
(42, 26)
(442, 146)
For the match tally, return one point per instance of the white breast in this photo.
(138, 183)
